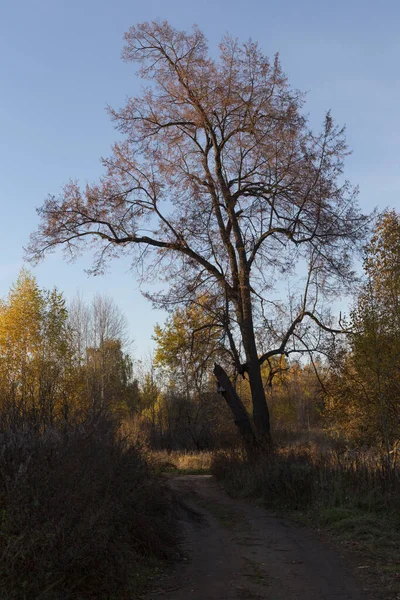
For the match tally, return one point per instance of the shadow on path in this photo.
(237, 551)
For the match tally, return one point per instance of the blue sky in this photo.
(60, 65)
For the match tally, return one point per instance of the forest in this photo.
(276, 374)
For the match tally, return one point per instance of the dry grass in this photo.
(353, 495)
(182, 462)
(303, 476)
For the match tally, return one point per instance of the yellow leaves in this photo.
(20, 324)
(34, 353)
(382, 260)
(365, 390)
(188, 336)
(44, 371)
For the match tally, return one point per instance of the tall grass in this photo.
(352, 494)
(303, 477)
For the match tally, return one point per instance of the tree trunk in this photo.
(240, 416)
(261, 418)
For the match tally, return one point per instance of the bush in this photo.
(81, 514)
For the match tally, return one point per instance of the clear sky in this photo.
(60, 65)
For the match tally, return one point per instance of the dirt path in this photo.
(237, 551)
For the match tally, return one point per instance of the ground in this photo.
(233, 550)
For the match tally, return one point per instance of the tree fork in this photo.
(240, 415)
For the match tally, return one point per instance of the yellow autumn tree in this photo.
(35, 352)
(191, 339)
(365, 389)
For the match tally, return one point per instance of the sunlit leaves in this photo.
(366, 392)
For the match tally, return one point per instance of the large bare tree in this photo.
(220, 185)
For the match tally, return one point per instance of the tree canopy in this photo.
(220, 186)
(365, 389)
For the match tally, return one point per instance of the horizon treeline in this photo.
(61, 363)
(350, 387)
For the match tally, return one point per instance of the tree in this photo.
(219, 185)
(109, 377)
(365, 395)
(382, 262)
(92, 324)
(100, 336)
(35, 351)
(296, 398)
(188, 344)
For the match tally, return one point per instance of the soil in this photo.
(233, 550)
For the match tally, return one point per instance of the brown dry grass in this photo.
(182, 462)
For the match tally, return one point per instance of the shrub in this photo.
(81, 514)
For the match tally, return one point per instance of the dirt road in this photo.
(237, 551)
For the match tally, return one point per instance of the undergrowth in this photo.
(82, 515)
(353, 495)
